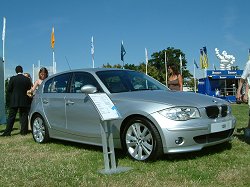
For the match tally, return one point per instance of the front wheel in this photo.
(39, 129)
(141, 140)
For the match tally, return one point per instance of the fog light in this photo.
(179, 140)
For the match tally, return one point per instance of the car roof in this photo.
(92, 70)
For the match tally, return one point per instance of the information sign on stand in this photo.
(108, 112)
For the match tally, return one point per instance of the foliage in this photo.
(190, 83)
(235, 68)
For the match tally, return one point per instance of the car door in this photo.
(81, 116)
(54, 101)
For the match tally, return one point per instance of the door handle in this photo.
(70, 102)
(45, 101)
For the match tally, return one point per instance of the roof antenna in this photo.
(67, 62)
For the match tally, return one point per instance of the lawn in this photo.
(60, 163)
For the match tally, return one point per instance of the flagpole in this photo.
(166, 68)
(54, 63)
(146, 56)
(33, 73)
(3, 38)
(180, 64)
(194, 78)
(3, 111)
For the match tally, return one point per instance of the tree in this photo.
(234, 67)
(156, 65)
(172, 57)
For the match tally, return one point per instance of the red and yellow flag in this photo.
(52, 39)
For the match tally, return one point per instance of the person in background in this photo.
(43, 74)
(175, 81)
(27, 75)
(30, 95)
(17, 89)
(245, 77)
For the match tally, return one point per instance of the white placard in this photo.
(104, 106)
(222, 126)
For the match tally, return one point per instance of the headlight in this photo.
(180, 113)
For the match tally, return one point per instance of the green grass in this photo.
(59, 163)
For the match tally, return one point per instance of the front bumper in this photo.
(193, 135)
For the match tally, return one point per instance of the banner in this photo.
(2, 97)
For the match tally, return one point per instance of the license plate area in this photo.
(221, 126)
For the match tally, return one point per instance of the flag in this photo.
(4, 25)
(146, 56)
(205, 58)
(166, 68)
(123, 52)
(92, 51)
(92, 46)
(196, 65)
(52, 38)
(180, 64)
(202, 59)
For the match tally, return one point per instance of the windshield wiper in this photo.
(143, 89)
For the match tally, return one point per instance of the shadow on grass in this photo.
(204, 152)
(1, 131)
(241, 136)
(119, 154)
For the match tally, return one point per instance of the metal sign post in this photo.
(107, 112)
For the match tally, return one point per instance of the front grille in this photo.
(213, 137)
(223, 110)
(217, 111)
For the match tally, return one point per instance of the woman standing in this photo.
(175, 81)
(43, 74)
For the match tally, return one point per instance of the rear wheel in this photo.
(39, 129)
(141, 140)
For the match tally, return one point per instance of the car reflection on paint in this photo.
(155, 120)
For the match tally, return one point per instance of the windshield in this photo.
(126, 81)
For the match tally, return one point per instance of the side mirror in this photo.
(88, 89)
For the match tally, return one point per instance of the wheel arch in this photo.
(125, 121)
(128, 118)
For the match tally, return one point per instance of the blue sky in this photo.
(152, 24)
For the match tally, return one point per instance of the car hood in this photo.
(174, 98)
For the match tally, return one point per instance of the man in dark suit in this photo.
(17, 90)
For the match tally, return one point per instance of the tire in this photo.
(39, 129)
(141, 140)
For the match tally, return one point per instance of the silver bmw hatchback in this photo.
(154, 120)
